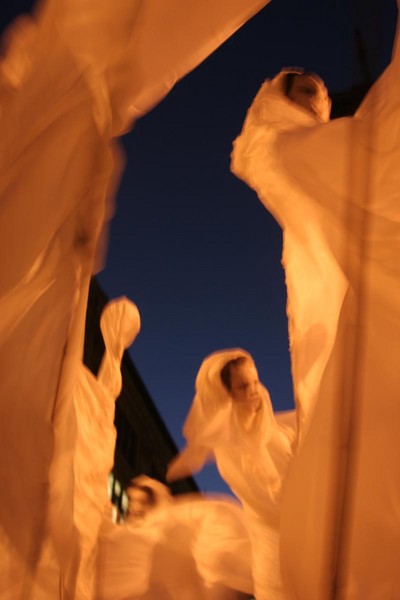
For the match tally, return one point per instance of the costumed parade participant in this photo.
(94, 399)
(92, 459)
(334, 189)
(232, 422)
(188, 547)
(74, 77)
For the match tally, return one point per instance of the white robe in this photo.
(73, 78)
(253, 461)
(189, 547)
(334, 188)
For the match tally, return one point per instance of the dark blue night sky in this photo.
(190, 244)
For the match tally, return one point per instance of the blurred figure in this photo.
(232, 422)
(187, 547)
(333, 186)
(296, 103)
(141, 501)
(74, 76)
(92, 457)
(94, 402)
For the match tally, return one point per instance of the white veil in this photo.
(212, 420)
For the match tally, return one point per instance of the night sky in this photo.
(190, 244)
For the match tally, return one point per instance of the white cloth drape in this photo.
(189, 546)
(334, 188)
(73, 77)
(253, 462)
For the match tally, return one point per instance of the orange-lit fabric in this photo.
(189, 546)
(253, 462)
(334, 189)
(94, 403)
(72, 78)
(137, 54)
(130, 58)
(307, 247)
(78, 473)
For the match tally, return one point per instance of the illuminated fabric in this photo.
(252, 460)
(187, 546)
(94, 401)
(72, 78)
(334, 187)
(85, 486)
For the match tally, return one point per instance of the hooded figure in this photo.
(307, 248)
(232, 422)
(334, 189)
(73, 77)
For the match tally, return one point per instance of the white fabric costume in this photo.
(253, 461)
(92, 458)
(72, 78)
(189, 547)
(334, 189)
(94, 400)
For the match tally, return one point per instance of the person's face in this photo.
(139, 503)
(304, 91)
(245, 385)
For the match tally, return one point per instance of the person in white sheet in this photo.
(232, 422)
(333, 186)
(74, 77)
(171, 548)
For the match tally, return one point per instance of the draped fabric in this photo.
(135, 55)
(190, 546)
(94, 403)
(72, 78)
(333, 187)
(252, 460)
(307, 247)
(211, 420)
(84, 487)
(49, 237)
(130, 57)
(213, 429)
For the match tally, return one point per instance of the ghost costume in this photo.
(334, 189)
(94, 400)
(252, 458)
(73, 77)
(191, 547)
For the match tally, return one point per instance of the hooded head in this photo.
(210, 422)
(305, 89)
